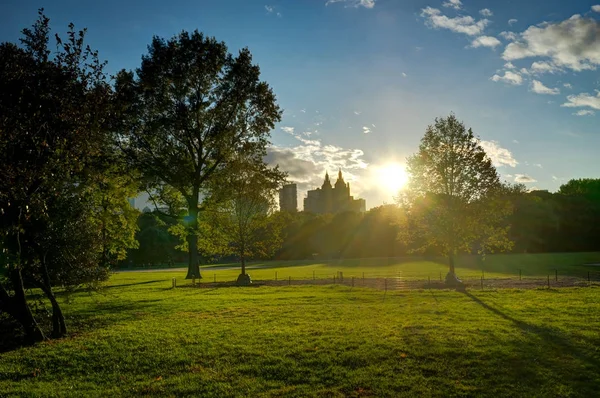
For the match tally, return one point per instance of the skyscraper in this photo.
(288, 198)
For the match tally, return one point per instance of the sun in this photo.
(392, 177)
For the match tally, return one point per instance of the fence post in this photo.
(519, 274)
(556, 275)
(289, 281)
(174, 282)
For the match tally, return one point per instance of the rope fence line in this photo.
(380, 282)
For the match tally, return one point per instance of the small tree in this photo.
(243, 197)
(187, 111)
(453, 200)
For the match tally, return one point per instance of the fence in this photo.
(366, 280)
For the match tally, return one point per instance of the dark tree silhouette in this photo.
(185, 113)
(452, 200)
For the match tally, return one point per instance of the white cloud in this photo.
(509, 77)
(596, 8)
(403, 74)
(269, 9)
(523, 178)
(512, 21)
(357, 113)
(500, 156)
(584, 112)
(583, 100)
(303, 110)
(509, 65)
(538, 165)
(279, 14)
(515, 141)
(287, 129)
(486, 12)
(539, 88)
(544, 67)
(366, 129)
(485, 41)
(354, 3)
(567, 85)
(456, 4)
(511, 36)
(464, 24)
(573, 43)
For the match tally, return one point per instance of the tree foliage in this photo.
(54, 142)
(453, 200)
(185, 113)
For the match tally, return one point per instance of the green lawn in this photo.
(494, 266)
(140, 337)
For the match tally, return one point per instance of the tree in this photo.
(244, 195)
(53, 143)
(453, 197)
(189, 108)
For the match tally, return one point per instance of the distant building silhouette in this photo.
(337, 199)
(288, 198)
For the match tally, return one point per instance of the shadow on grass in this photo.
(550, 336)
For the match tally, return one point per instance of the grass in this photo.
(469, 267)
(140, 337)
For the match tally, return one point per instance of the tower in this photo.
(288, 198)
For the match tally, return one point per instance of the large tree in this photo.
(187, 110)
(54, 141)
(454, 200)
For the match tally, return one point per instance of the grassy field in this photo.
(140, 337)
(494, 266)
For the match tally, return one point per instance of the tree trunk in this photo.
(17, 307)
(193, 266)
(59, 327)
(243, 258)
(451, 263)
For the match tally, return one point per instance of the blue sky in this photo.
(360, 80)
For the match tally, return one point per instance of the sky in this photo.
(360, 80)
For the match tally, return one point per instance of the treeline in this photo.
(541, 222)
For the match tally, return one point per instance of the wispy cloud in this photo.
(524, 178)
(539, 88)
(568, 85)
(461, 24)
(540, 67)
(357, 113)
(404, 74)
(584, 112)
(485, 41)
(596, 8)
(512, 21)
(486, 12)
(456, 4)
(354, 3)
(366, 129)
(500, 156)
(287, 129)
(583, 100)
(269, 9)
(511, 36)
(509, 77)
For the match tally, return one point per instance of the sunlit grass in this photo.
(469, 267)
(140, 337)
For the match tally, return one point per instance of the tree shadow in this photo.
(549, 335)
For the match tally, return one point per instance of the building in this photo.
(288, 198)
(333, 199)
